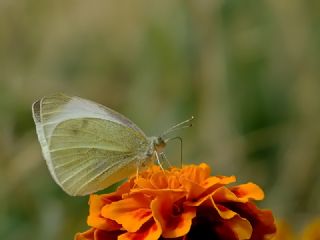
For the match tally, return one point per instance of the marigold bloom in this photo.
(181, 203)
(312, 231)
(284, 231)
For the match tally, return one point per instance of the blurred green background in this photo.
(249, 71)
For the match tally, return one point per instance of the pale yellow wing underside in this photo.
(87, 146)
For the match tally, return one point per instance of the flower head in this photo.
(180, 203)
(312, 230)
(284, 231)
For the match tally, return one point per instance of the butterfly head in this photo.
(159, 144)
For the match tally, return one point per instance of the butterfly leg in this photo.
(158, 160)
(137, 173)
(164, 157)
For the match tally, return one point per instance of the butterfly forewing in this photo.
(87, 146)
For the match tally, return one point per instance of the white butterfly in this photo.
(89, 147)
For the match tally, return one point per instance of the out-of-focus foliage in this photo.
(247, 70)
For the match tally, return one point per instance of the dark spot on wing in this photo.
(84, 123)
(76, 129)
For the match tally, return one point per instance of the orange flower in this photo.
(284, 231)
(181, 203)
(312, 231)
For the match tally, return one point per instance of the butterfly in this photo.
(88, 147)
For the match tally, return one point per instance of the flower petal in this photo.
(248, 191)
(224, 194)
(87, 235)
(97, 202)
(196, 173)
(156, 192)
(125, 187)
(208, 223)
(159, 180)
(219, 181)
(151, 230)
(312, 231)
(241, 227)
(193, 189)
(143, 183)
(224, 212)
(103, 235)
(198, 202)
(284, 231)
(131, 212)
(196, 190)
(261, 220)
(215, 182)
(173, 182)
(175, 220)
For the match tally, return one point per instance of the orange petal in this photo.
(196, 190)
(261, 220)
(198, 202)
(215, 182)
(284, 232)
(312, 231)
(196, 173)
(193, 189)
(159, 180)
(125, 187)
(175, 220)
(224, 194)
(173, 182)
(156, 192)
(87, 235)
(220, 195)
(248, 191)
(208, 201)
(97, 202)
(103, 235)
(151, 230)
(224, 212)
(236, 228)
(131, 212)
(143, 183)
(241, 227)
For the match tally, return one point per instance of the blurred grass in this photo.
(247, 70)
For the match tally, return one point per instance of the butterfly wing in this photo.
(87, 146)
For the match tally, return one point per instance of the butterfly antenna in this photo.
(179, 126)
